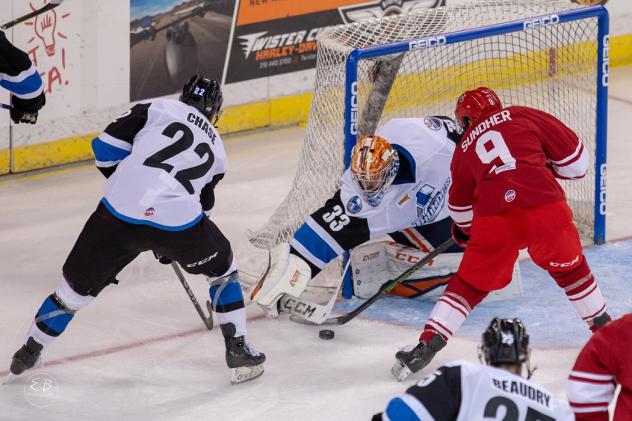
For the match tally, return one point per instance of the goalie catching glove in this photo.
(287, 274)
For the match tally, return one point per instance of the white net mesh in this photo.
(552, 68)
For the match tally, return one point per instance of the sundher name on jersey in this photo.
(481, 127)
(203, 124)
(523, 389)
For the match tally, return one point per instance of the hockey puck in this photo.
(326, 334)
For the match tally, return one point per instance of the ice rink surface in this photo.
(139, 351)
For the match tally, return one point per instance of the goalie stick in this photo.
(207, 320)
(50, 6)
(389, 286)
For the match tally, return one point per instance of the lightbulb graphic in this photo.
(45, 27)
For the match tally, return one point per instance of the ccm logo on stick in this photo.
(540, 22)
(426, 43)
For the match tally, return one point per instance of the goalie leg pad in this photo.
(288, 274)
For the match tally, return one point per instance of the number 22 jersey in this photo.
(163, 160)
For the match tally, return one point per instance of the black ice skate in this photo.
(242, 358)
(413, 360)
(26, 357)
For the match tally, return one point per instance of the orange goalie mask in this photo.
(374, 164)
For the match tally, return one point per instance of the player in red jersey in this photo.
(601, 365)
(505, 197)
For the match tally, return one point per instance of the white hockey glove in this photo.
(288, 274)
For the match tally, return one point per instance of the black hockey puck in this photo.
(326, 334)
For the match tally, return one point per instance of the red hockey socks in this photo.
(582, 291)
(451, 310)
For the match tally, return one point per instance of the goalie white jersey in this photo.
(417, 197)
(463, 391)
(163, 160)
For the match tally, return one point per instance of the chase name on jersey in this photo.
(204, 125)
(490, 121)
(523, 389)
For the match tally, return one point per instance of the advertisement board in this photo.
(274, 37)
(172, 39)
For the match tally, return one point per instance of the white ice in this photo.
(139, 352)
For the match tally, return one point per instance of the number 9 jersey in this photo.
(163, 160)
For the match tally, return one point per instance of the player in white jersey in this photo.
(162, 160)
(463, 391)
(397, 184)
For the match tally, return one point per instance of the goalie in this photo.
(397, 184)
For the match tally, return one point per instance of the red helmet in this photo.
(471, 105)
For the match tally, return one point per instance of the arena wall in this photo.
(84, 57)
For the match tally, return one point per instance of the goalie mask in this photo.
(374, 164)
(471, 105)
(205, 95)
(505, 341)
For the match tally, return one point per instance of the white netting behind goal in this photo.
(552, 68)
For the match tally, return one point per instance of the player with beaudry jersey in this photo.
(162, 160)
(505, 197)
(20, 77)
(462, 391)
(603, 363)
(397, 184)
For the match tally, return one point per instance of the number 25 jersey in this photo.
(462, 391)
(163, 160)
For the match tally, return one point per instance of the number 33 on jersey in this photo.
(163, 160)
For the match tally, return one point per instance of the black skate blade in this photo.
(400, 371)
(244, 374)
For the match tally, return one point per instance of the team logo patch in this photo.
(510, 196)
(433, 123)
(150, 212)
(354, 205)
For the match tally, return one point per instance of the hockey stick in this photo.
(208, 320)
(341, 320)
(5, 106)
(50, 6)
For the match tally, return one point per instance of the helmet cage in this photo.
(373, 169)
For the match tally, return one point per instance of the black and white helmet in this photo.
(505, 341)
(205, 95)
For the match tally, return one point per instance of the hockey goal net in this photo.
(547, 54)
